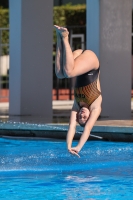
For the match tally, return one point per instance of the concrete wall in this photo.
(109, 36)
(31, 31)
(115, 57)
(92, 28)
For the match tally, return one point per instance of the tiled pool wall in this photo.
(59, 131)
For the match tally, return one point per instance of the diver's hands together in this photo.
(74, 150)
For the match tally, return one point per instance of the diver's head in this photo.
(82, 116)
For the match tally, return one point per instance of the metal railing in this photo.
(62, 89)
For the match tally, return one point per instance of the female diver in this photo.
(84, 65)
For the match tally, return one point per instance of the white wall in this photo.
(4, 65)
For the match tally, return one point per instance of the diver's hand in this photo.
(74, 151)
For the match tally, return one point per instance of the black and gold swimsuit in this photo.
(86, 87)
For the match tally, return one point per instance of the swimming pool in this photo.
(43, 169)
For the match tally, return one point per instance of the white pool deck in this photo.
(36, 127)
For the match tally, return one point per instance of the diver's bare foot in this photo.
(63, 31)
(57, 29)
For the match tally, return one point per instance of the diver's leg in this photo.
(85, 62)
(59, 56)
(68, 58)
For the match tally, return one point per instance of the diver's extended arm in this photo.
(88, 127)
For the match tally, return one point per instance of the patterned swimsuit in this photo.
(86, 87)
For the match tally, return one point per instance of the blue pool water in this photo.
(43, 170)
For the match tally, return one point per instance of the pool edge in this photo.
(59, 131)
